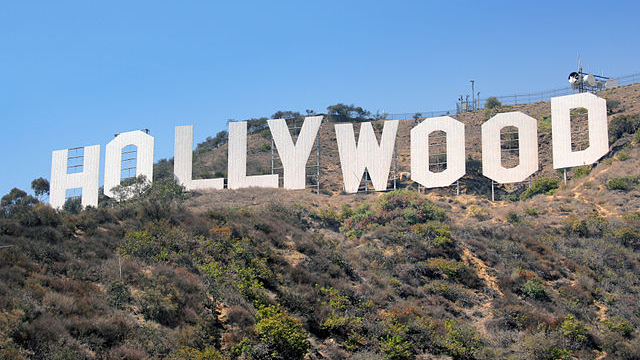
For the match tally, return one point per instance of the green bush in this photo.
(546, 345)
(396, 348)
(612, 105)
(283, 334)
(513, 217)
(543, 185)
(265, 147)
(628, 236)
(461, 341)
(492, 102)
(535, 289)
(581, 171)
(623, 156)
(160, 304)
(265, 133)
(621, 125)
(619, 326)
(478, 212)
(574, 330)
(574, 225)
(560, 354)
(618, 347)
(452, 269)
(329, 217)
(624, 183)
(119, 294)
(401, 207)
(143, 245)
(189, 353)
(544, 125)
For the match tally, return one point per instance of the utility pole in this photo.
(473, 94)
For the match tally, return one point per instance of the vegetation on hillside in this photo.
(148, 278)
(163, 274)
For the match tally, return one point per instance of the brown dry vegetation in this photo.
(275, 274)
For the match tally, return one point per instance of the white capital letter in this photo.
(367, 155)
(294, 157)
(527, 147)
(237, 161)
(113, 158)
(420, 152)
(183, 162)
(87, 179)
(561, 107)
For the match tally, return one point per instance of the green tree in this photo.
(492, 102)
(212, 142)
(285, 114)
(131, 188)
(40, 187)
(72, 205)
(16, 201)
(283, 334)
(341, 112)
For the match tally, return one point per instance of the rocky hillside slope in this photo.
(622, 102)
(546, 272)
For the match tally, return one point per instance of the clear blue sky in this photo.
(73, 73)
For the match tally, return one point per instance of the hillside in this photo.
(623, 101)
(547, 272)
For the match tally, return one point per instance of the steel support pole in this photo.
(395, 164)
(366, 182)
(318, 161)
(492, 192)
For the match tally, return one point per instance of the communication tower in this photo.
(583, 82)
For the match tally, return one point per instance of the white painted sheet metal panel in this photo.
(237, 161)
(294, 157)
(368, 154)
(527, 147)
(87, 179)
(113, 158)
(420, 172)
(561, 107)
(183, 162)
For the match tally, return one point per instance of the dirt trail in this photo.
(481, 268)
(602, 311)
(602, 317)
(485, 307)
(601, 210)
(579, 195)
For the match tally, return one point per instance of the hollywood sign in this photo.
(355, 158)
